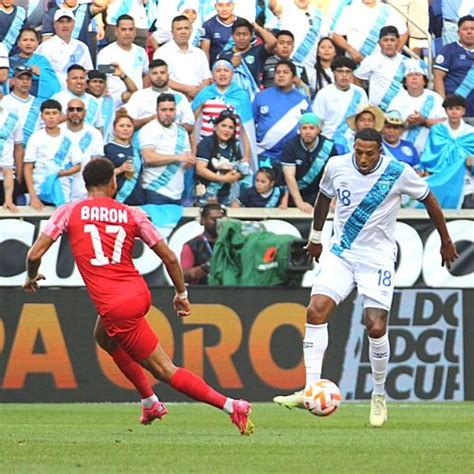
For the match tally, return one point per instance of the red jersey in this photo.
(102, 234)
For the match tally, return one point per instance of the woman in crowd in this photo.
(125, 156)
(326, 52)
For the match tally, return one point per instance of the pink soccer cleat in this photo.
(157, 411)
(240, 417)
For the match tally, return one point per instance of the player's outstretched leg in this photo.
(184, 381)
(379, 354)
(314, 346)
(152, 407)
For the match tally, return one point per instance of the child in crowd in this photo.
(264, 193)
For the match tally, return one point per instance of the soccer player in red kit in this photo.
(102, 233)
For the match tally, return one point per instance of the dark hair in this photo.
(343, 61)
(124, 17)
(98, 172)
(165, 97)
(242, 23)
(389, 30)
(214, 206)
(454, 100)
(178, 18)
(285, 33)
(425, 79)
(157, 63)
(75, 67)
(29, 29)
(268, 172)
(120, 114)
(50, 104)
(465, 18)
(369, 135)
(288, 63)
(233, 142)
(321, 75)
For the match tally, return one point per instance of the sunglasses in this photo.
(75, 109)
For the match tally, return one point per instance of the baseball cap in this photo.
(389, 31)
(95, 74)
(20, 70)
(310, 118)
(394, 117)
(62, 12)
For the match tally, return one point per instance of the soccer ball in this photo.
(321, 398)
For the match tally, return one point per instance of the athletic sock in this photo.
(315, 344)
(379, 354)
(149, 401)
(133, 371)
(194, 387)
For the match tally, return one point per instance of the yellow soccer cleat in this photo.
(295, 400)
(378, 411)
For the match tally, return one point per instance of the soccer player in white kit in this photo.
(362, 252)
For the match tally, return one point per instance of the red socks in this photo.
(133, 371)
(194, 387)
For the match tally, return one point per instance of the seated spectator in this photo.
(23, 103)
(224, 94)
(264, 193)
(283, 50)
(393, 144)
(277, 112)
(188, 65)
(11, 154)
(45, 80)
(357, 30)
(197, 253)
(454, 67)
(130, 62)
(76, 89)
(135, 9)
(4, 67)
(85, 138)
(420, 107)
(142, 103)
(322, 74)
(83, 14)
(452, 11)
(62, 50)
(219, 161)
(166, 152)
(304, 158)
(247, 58)
(367, 116)
(218, 30)
(12, 20)
(383, 69)
(50, 160)
(336, 102)
(97, 88)
(125, 156)
(35, 11)
(449, 157)
(305, 21)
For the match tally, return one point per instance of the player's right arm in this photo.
(321, 209)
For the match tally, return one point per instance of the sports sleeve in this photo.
(341, 27)
(443, 59)
(18, 133)
(206, 26)
(365, 69)
(145, 138)
(287, 155)
(30, 152)
(185, 112)
(204, 150)
(413, 185)
(145, 229)
(58, 221)
(97, 148)
(326, 184)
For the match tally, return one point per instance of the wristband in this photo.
(315, 236)
(183, 295)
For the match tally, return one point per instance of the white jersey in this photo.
(10, 134)
(91, 145)
(93, 112)
(367, 205)
(142, 104)
(429, 104)
(384, 75)
(166, 180)
(134, 64)
(134, 8)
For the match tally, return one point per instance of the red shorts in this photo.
(127, 325)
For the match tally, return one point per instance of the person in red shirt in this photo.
(102, 232)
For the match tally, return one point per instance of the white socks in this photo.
(379, 353)
(148, 402)
(315, 344)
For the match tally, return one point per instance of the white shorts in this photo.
(339, 276)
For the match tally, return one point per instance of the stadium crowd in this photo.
(236, 102)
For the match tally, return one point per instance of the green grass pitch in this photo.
(418, 438)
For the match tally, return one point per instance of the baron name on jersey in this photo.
(104, 214)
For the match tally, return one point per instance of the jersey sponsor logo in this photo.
(406, 150)
(104, 214)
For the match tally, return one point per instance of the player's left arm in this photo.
(33, 262)
(448, 250)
